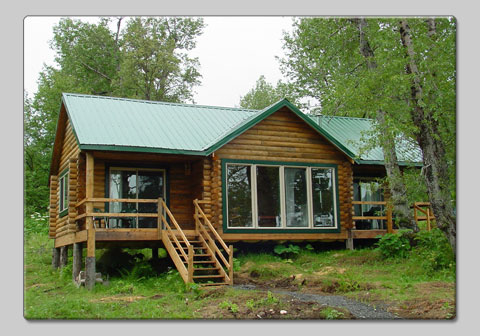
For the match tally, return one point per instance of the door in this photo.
(135, 183)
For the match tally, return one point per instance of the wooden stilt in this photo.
(349, 241)
(90, 259)
(63, 256)
(55, 257)
(77, 259)
(155, 253)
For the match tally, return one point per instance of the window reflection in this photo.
(239, 196)
(323, 198)
(296, 197)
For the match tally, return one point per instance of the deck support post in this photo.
(63, 256)
(90, 259)
(55, 257)
(349, 241)
(155, 253)
(77, 260)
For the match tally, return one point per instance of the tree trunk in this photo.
(434, 161)
(398, 189)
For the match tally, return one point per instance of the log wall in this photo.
(69, 152)
(283, 136)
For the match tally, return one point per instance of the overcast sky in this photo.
(233, 52)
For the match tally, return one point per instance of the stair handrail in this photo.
(174, 221)
(170, 231)
(212, 246)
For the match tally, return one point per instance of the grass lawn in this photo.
(403, 286)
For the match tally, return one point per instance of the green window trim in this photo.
(294, 230)
(63, 200)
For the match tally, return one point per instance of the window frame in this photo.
(281, 165)
(63, 199)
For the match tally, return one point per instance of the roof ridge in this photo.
(160, 102)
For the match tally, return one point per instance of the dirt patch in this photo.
(435, 301)
(425, 309)
(116, 298)
(258, 305)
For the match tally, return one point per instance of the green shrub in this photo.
(36, 223)
(433, 251)
(233, 307)
(289, 252)
(395, 245)
(332, 314)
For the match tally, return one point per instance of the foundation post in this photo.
(155, 253)
(77, 260)
(55, 257)
(90, 259)
(63, 256)
(349, 241)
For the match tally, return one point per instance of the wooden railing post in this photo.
(230, 262)
(429, 226)
(389, 218)
(159, 218)
(415, 214)
(190, 264)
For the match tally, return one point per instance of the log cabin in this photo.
(194, 179)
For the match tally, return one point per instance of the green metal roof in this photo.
(355, 133)
(108, 123)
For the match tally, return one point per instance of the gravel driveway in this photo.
(358, 309)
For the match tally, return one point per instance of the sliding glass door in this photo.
(135, 183)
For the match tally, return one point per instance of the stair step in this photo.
(195, 248)
(202, 255)
(214, 284)
(207, 276)
(203, 262)
(206, 269)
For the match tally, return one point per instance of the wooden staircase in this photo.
(201, 258)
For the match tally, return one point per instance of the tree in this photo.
(148, 60)
(425, 118)
(265, 94)
(155, 64)
(358, 69)
(333, 61)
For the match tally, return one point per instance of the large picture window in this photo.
(280, 196)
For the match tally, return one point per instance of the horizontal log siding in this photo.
(68, 160)
(283, 137)
(53, 208)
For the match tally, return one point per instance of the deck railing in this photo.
(424, 208)
(100, 216)
(388, 216)
(210, 237)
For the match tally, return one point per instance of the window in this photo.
(63, 193)
(368, 190)
(239, 196)
(141, 183)
(262, 195)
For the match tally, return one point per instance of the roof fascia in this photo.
(118, 148)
